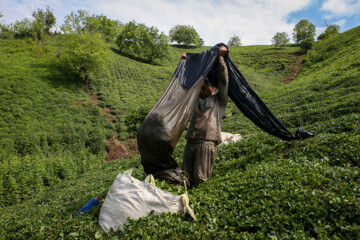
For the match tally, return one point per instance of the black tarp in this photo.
(162, 128)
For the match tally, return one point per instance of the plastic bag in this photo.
(162, 128)
(230, 138)
(131, 198)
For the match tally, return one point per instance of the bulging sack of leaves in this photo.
(131, 198)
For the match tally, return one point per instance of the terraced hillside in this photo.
(261, 187)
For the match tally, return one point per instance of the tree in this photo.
(43, 21)
(24, 28)
(75, 22)
(38, 23)
(82, 22)
(143, 42)
(234, 41)
(50, 20)
(6, 31)
(85, 55)
(184, 34)
(155, 45)
(129, 41)
(330, 31)
(280, 39)
(201, 42)
(302, 30)
(103, 25)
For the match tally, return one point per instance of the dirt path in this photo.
(297, 67)
(117, 149)
(121, 149)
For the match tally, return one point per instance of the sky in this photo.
(254, 21)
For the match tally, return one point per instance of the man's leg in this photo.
(188, 161)
(204, 159)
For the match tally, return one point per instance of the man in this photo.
(204, 132)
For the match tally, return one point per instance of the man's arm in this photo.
(223, 77)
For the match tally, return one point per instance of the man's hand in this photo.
(183, 56)
(222, 51)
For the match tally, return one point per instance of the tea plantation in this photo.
(53, 145)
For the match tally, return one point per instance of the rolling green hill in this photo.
(261, 188)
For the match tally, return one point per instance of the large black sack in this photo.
(162, 128)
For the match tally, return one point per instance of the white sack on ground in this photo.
(130, 197)
(229, 138)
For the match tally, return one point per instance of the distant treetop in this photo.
(303, 30)
(280, 39)
(234, 41)
(331, 31)
(185, 34)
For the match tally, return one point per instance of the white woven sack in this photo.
(130, 197)
(229, 138)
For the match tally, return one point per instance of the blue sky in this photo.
(254, 21)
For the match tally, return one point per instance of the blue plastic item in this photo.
(95, 201)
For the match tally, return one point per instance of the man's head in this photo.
(206, 90)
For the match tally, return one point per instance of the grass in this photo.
(262, 187)
(46, 122)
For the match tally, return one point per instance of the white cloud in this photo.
(254, 21)
(341, 8)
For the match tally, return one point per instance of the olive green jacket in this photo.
(205, 123)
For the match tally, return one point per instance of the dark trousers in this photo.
(199, 159)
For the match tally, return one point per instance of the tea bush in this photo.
(261, 187)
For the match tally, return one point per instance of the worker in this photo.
(204, 132)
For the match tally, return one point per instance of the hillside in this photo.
(261, 187)
(52, 130)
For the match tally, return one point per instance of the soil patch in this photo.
(121, 149)
(297, 67)
(107, 113)
(117, 149)
(94, 98)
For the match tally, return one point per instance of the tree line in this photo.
(137, 35)
(304, 35)
(85, 50)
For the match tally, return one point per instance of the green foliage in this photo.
(134, 118)
(75, 22)
(261, 187)
(50, 20)
(56, 208)
(303, 30)
(331, 31)
(234, 41)
(84, 54)
(23, 29)
(185, 34)
(264, 66)
(82, 22)
(307, 44)
(49, 131)
(6, 31)
(43, 22)
(280, 39)
(36, 29)
(108, 28)
(143, 42)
